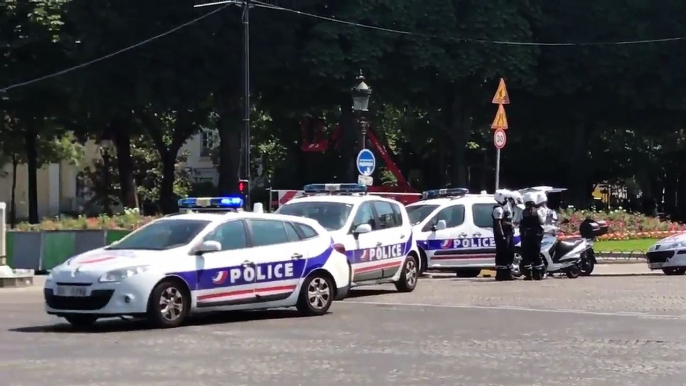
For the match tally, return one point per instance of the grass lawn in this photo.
(640, 245)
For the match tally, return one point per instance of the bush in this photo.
(623, 224)
(131, 219)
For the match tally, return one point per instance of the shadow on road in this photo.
(360, 293)
(124, 325)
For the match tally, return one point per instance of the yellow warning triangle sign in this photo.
(501, 96)
(500, 121)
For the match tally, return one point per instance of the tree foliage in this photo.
(581, 114)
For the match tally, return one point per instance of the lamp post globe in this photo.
(361, 94)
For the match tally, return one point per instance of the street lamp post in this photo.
(361, 95)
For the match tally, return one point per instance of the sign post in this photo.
(499, 124)
(366, 163)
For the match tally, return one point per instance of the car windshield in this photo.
(161, 235)
(331, 215)
(418, 213)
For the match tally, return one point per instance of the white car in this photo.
(454, 230)
(669, 255)
(196, 261)
(374, 232)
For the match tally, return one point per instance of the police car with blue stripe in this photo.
(374, 232)
(454, 230)
(197, 261)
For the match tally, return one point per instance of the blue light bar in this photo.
(335, 188)
(231, 202)
(442, 193)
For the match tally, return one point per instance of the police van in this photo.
(374, 232)
(199, 261)
(454, 231)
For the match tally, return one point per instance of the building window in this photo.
(209, 141)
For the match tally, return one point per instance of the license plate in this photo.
(656, 265)
(71, 291)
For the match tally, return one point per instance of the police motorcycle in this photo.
(570, 257)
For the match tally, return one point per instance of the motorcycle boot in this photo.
(539, 272)
(504, 273)
(528, 272)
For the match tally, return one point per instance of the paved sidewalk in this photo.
(627, 269)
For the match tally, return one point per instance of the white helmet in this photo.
(530, 197)
(517, 198)
(541, 198)
(501, 195)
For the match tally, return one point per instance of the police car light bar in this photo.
(230, 202)
(335, 188)
(442, 193)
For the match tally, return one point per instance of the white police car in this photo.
(196, 261)
(454, 230)
(374, 232)
(669, 255)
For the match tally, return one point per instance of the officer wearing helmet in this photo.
(517, 205)
(503, 232)
(531, 232)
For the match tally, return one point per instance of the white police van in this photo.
(196, 261)
(454, 230)
(374, 232)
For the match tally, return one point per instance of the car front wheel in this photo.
(168, 305)
(674, 271)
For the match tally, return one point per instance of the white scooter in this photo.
(572, 258)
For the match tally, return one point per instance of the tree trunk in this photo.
(229, 142)
(122, 142)
(13, 200)
(167, 202)
(32, 163)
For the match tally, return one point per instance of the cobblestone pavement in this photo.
(589, 331)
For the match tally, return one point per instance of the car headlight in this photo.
(680, 244)
(123, 273)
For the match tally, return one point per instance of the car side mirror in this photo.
(207, 247)
(440, 225)
(362, 228)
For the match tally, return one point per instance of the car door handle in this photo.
(477, 234)
(378, 244)
(247, 263)
(463, 235)
(296, 256)
(402, 236)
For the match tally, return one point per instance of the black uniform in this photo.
(531, 231)
(504, 243)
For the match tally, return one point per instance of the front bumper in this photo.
(129, 297)
(666, 259)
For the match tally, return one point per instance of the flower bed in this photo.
(623, 225)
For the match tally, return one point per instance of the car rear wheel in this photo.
(168, 305)
(674, 271)
(81, 321)
(409, 275)
(316, 295)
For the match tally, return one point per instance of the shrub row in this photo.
(623, 225)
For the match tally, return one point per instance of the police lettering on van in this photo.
(476, 242)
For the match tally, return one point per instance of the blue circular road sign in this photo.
(366, 162)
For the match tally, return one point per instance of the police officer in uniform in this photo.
(503, 232)
(531, 231)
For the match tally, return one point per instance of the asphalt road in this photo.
(589, 331)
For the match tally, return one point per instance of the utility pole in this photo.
(245, 136)
(246, 96)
